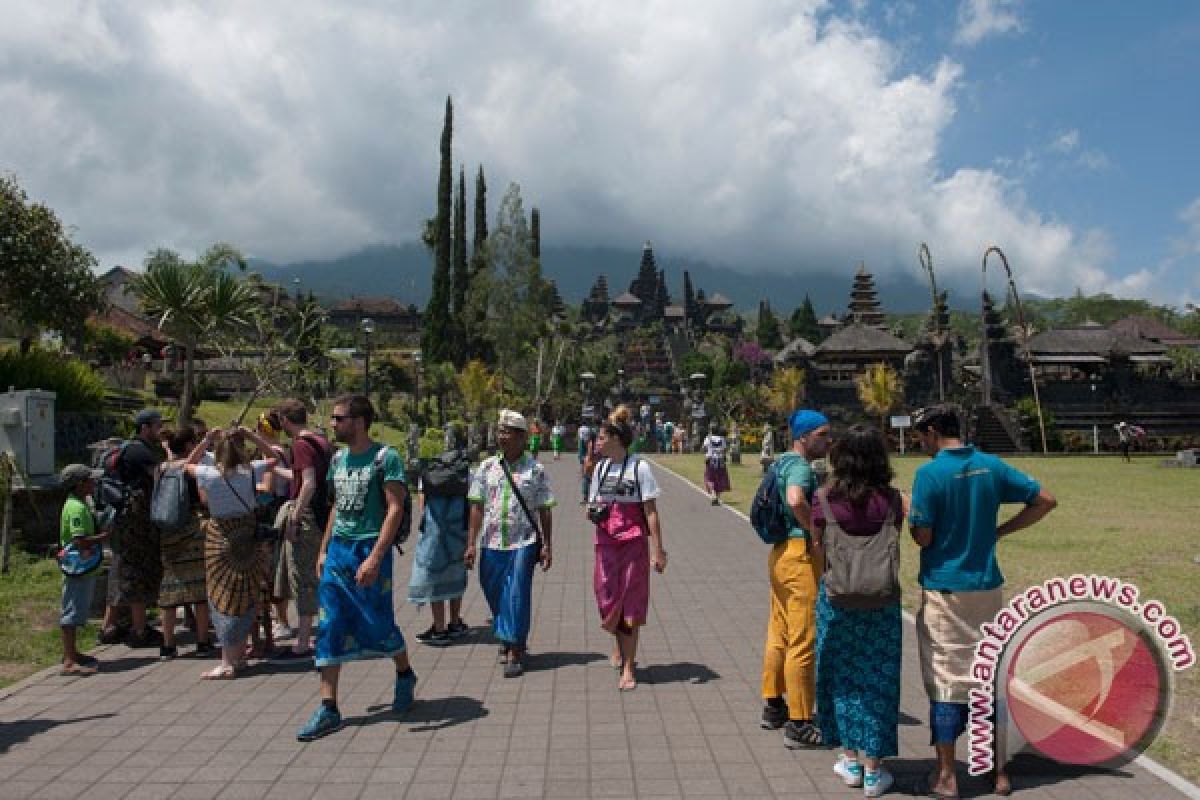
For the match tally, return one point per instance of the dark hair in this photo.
(357, 405)
(292, 410)
(181, 442)
(231, 452)
(620, 425)
(943, 419)
(859, 462)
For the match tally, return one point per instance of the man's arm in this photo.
(474, 525)
(308, 488)
(799, 506)
(1031, 514)
(922, 536)
(546, 520)
(328, 533)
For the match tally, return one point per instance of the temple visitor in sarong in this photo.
(623, 507)
(955, 501)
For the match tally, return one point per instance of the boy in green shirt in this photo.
(78, 529)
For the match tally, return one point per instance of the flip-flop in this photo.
(221, 673)
(1002, 791)
(624, 686)
(78, 670)
(923, 787)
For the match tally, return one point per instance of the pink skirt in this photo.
(622, 583)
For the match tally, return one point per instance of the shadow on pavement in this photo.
(679, 672)
(1025, 771)
(536, 662)
(908, 719)
(126, 663)
(16, 732)
(428, 715)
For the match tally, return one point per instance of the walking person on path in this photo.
(77, 529)
(587, 460)
(789, 656)
(858, 636)
(506, 493)
(624, 509)
(955, 501)
(556, 439)
(355, 564)
(716, 473)
(439, 575)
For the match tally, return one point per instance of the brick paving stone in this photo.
(153, 729)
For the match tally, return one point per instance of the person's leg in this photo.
(944, 779)
(799, 578)
(137, 613)
(438, 607)
(302, 571)
(200, 611)
(168, 622)
(456, 610)
(775, 649)
(329, 684)
(629, 642)
(70, 653)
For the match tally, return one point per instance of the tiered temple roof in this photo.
(864, 301)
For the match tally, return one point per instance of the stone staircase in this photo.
(995, 431)
(649, 357)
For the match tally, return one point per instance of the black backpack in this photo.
(769, 514)
(319, 504)
(171, 504)
(112, 487)
(447, 475)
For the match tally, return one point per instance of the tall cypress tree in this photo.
(803, 322)
(461, 276)
(479, 289)
(436, 340)
(767, 332)
(535, 233)
(481, 229)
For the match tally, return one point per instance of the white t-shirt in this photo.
(615, 482)
(222, 502)
(714, 446)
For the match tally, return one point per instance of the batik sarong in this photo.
(137, 564)
(858, 677)
(947, 632)
(438, 572)
(716, 478)
(506, 577)
(622, 583)
(234, 570)
(357, 622)
(183, 565)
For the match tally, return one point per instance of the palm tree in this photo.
(194, 300)
(879, 391)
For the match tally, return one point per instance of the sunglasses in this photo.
(340, 417)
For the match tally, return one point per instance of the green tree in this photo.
(437, 337)
(1185, 363)
(535, 233)
(475, 314)
(767, 332)
(478, 386)
(195, 301)
(786, 391)
(462, 277)
(879, 391)
(48, 280)
(803, 322)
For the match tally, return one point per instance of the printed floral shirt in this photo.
(505, 525)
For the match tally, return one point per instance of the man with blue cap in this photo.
(789, 657)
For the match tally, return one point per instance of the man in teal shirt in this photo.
(956, 498)
(355, 564)
(789, 656)
(77, 529)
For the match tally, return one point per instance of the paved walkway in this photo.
(143, 729)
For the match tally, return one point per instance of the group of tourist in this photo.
(831, 663)
(832, 656)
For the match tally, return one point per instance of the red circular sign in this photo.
(1085, 688)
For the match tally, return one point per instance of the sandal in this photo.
(78, 670)
(627, 684)
(1001, 784)
(221, 673)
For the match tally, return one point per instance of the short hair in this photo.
(357, 405)
(945, 419)
(292, 410)
(181, 441)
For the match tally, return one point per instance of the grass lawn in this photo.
(30, 603)
(1137, 522)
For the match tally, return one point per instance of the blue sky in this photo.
(791, 137)
(1092, 107)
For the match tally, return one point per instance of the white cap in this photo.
(512, 419)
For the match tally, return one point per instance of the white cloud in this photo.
(752, 134)
(979, 19)
(1065, 142)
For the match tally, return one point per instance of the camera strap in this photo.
(537, 530)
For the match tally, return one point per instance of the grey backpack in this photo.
(170, 505)
(861, 572)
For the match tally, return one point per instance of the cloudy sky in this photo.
(767, 135)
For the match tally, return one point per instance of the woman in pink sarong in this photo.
(622, 504)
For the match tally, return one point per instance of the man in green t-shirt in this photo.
(77, 529)
(355, 564)
(790, 654)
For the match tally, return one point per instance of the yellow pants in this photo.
(790, 654)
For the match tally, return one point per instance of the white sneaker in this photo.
(281, 631)
(851, 772)
(876, 784)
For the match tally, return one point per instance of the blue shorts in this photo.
(77, 599)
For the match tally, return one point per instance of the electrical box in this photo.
(27, 430)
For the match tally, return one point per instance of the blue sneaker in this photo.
(323, 722)
(405, 692)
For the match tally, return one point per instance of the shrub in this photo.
(76, 385)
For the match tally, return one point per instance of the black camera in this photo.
(598, 512)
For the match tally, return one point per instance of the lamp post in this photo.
(416, 383)
(1095, 427)
(586, 381)
(368, 328)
